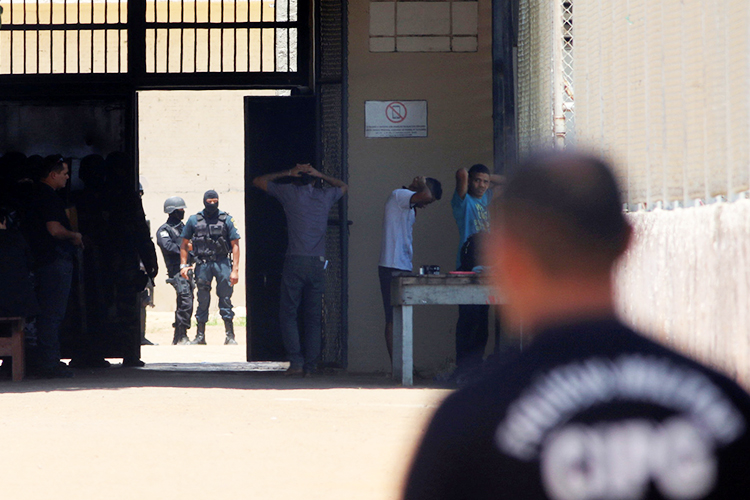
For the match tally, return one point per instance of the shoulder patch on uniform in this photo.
(231, 219)
(164, 233)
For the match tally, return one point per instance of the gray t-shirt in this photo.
(306, 211)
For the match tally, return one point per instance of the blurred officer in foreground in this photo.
(591, 409)
(216, 245)
(169, 239)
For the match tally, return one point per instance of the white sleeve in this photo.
(403, 198)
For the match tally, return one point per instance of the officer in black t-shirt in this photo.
(53, 244)
(590, 409)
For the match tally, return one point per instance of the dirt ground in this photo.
(199, 422)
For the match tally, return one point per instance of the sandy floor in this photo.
(159, 330)
(195, 424)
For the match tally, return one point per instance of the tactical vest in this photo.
(174, 233)
(211, 241)
(172, 260)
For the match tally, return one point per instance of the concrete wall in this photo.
(686, 281)
(458, 88)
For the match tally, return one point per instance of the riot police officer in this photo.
(169, 239)
(217, 255)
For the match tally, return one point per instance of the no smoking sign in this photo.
(395, 119)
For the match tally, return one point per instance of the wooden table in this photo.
(13, 346)
(442, 289)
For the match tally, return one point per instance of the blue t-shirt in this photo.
(471, 215)
(189, 229)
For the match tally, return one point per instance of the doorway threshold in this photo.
(227, 366)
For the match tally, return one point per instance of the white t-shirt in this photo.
(396, 248)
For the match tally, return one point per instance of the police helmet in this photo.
(174, 203)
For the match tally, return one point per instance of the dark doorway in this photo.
(279, 133)
(102, 314)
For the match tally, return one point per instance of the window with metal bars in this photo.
(180, 36)
(221, 36)
(61, 36)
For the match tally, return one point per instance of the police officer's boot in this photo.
(180, 335)
(229, 328)
(200, 335)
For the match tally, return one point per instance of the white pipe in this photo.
(558, 86)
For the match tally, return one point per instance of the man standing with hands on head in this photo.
(303, 278)
(470, 204)
(590, 409)
(216, 246)
(396, 248)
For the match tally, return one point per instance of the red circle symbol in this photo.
(395, 112)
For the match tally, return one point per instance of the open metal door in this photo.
(279, 133)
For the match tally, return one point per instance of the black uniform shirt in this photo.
(169, 240)
(47, 206)
(589, 411)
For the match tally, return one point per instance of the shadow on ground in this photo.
(247, 376)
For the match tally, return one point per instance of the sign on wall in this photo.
(395, 118)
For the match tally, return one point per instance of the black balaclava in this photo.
(211, 209)
(177, 215)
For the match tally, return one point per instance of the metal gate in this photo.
(160, 43)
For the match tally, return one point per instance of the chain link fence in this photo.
(535, 123)
(661, 89)
(663, 92)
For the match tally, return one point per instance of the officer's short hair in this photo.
(52, 163)
(566, 208)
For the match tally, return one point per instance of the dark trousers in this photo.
(386, 275)
(302, 282)
(184, 308)
(471, 335)
(204, 274)
(52, 290)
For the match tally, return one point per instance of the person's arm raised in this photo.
(423, 194)
(261, 182)
(497, 180)
(462, 182)
(330, 180)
